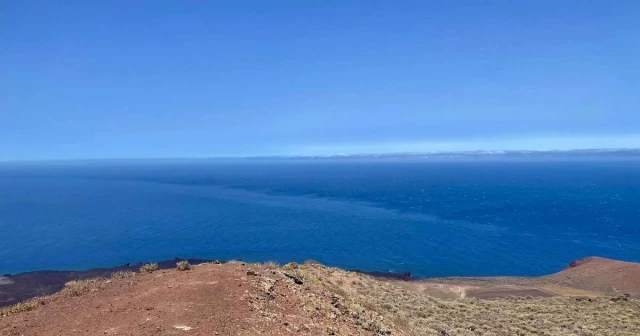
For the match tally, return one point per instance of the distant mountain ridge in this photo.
(570, 153)
(623, 152)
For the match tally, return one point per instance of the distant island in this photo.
(571, 153)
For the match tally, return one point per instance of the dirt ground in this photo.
(210, 299)
(311, 299)
(591, 276)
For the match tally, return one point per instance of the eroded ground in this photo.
(310, 299)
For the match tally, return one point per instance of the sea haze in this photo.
(433, 217)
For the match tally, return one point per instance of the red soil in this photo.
(210, 299)
(602, 275)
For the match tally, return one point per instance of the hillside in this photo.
(592, 276)
(609, 276)
(253, 299)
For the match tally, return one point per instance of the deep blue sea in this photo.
(467, 217)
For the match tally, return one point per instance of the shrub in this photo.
(122, 275)
(21, 307)
(291, 266)
(183, 265)
(77, 287)
(236, 262)
(149, 268)
(271, 265)
(296, 275)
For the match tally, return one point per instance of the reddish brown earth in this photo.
(592, 276)
(250, 299)
(210, 299)
(27, 285)
(601, 275)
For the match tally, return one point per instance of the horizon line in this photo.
(470, 153)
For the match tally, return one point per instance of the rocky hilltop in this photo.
(593, 296)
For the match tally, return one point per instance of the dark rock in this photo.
(32, 284)
(297, 279)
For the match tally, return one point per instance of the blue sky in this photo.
(136, 79)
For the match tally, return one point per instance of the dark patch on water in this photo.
(467, 218)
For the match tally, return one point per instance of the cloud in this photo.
(528, 142)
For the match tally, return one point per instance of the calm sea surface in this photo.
(433, 218)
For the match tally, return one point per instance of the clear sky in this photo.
(196, 78)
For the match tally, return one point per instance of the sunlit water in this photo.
(442, 218)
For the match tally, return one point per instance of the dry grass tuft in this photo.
(22, 307)
(183, 265)
(290, 266)
(149, 268)
(417, 313)
(297, 275)
(236, 262)
(78, 287)
(271, 265)
(122, 275)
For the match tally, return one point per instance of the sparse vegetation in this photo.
(312, 297)
(290, 266)
(122, 275)
(416, 313)
(21, 307)
(149, 268)
(77, 287)
(271, 265)
(236, 262)
(296, 275)
(183, 265)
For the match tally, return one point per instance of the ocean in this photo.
(444, 217)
